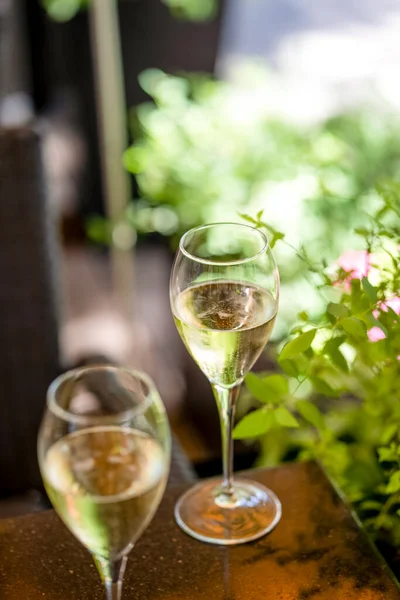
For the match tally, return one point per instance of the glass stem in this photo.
(112, 574)
(226, 401)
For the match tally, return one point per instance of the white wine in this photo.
(225, 326)
(106, 483)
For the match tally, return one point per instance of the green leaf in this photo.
(134, 159)
(331, 348)
(290, 368)
(392, 316)
(309, 353)
(303, 315)
(310, 413)
(98, 229)
(277, 384)
(339, 360)
(324, 388)
(267, 389)
(334, 343)
(63, 10)
(285, 418)
(371, 505)
(385, 521)
(338, 310)
(369, 289)
(193, 11)
(254, 424)
(256, 387)
(373, 322)
(298, 345)
(389, 432)
(278, 235)
(249, 219)
(362, 231)
(394, 483)
(296, 329)
(387, 455)
(353, 327)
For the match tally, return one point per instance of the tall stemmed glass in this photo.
(224, 297)
(104, 454)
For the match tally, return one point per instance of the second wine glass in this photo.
(224, 297)
(104, 454)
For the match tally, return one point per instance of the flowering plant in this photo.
(336, 395)
(205, 150)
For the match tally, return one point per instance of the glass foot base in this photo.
(209, 515)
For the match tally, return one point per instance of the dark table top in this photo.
(317, 552)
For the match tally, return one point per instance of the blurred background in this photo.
(123, 125)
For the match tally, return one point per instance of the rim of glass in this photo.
(81, 419)
(240, 261)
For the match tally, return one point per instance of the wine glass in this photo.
(104, 455)
(224, 293)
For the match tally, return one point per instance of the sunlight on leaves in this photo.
(298, 345)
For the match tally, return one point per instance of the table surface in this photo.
(317, 552)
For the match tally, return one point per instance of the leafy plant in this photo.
(206, 150)
(337, 387)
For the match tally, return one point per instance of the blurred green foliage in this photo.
(194, 10)
(336, 394)
(63, 10)
(206, 150)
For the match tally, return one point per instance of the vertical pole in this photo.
(111, 108)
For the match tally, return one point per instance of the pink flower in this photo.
(375, 334)
(393, 303)
(355, 262)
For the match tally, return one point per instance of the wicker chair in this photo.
(29, 351)
(28, 316)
